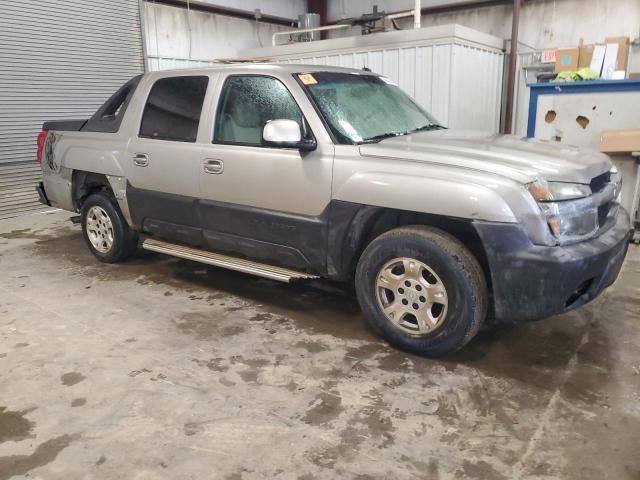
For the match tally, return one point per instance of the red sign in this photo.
(549, 56)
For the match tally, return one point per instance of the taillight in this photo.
(42, 137)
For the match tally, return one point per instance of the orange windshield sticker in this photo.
(307, 79)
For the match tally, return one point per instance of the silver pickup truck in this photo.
(294, 172)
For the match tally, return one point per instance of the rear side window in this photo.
(173, 109)
(109, 116)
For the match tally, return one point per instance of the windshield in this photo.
(363, 108)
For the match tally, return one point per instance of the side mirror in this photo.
(284, 133)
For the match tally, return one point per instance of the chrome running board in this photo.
(232, 263)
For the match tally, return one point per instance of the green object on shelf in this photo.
(576, 75)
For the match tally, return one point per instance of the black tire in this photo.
(459, 272)
(125, 240)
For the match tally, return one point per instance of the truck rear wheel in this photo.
(421, 290)
(105, 230)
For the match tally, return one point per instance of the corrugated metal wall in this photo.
(59, 59)
(445, 79)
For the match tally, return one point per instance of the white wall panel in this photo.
(390, 64)
(441, 83)
(360, 59)
(407, 78)
(453, 72)
(474, 100)
(333, 60)
(179, 38)
(424, 76)
(347, 60)
(376, 61)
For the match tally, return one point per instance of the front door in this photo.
(270, 204)
(163, 190)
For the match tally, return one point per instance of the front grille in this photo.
(598, 183)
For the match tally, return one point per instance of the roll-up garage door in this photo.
(59, 59)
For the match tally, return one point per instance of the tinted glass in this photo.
(361, 108)
(173, 109)
(247, 104)
(109, 116)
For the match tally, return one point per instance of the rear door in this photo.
(270, 204)
(165, 160)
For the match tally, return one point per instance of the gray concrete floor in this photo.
(165, 369)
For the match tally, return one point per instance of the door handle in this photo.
(213, 166)
(140, 160)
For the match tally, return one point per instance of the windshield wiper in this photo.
(382, 136)
(427, 127)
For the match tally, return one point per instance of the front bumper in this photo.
(531, 282)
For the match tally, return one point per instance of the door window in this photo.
(173, 109)
(247, 103)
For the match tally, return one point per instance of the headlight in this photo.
(569, 212)
(544, 191)
(571, 220)
(616, 180)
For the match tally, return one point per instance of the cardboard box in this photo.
(615, 141)
(623, 51)
(585, 56)
(567, 59)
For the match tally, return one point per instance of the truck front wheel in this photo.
(421, 290)
(105, 230)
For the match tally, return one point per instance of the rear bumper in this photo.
(42, 194)
(531, 282)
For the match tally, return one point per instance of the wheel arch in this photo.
(86, 183)
(367, 223)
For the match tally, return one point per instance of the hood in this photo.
(520, 159)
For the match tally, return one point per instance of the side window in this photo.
(109, 116)
(173, 109)
(247, 103)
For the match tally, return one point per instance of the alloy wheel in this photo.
(412, 296)
(99, 229)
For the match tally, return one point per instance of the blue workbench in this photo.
(564, 88)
